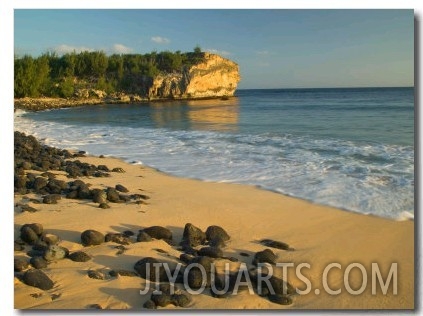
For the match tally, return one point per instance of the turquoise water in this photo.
(348, 148)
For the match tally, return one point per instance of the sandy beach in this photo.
(319, 236)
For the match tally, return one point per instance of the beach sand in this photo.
(320, 235)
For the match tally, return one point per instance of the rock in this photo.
(127, 273)
(104, 206)
(186, 258)
(51, 239)
(38, 279)
(128, 233)
(204, 261)
(147, 270)
(40, 245)
(38, 262)
(143, 237)
(150, 305)
(121, 188)
(212, 76)
(54, 253)
(280, 286)
(161, 299)
(212, 252)
(280, 299)
(217, 242)
(264, 256)
(113, 195)
(193, 236)
(27, 208)
(275, 244)
(214, 232)
(195, 278)
(39, 183)
(79, 256)
(117, 238)
(99, 196)
(98, 275)
(51, 199)
(91, 237)
(181, 300)
(158, 232)
(18, 247)
(20, 264)
(118, 170)
(35, 253)
(36, 227)
(28, 235)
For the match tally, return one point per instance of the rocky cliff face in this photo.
(214, 77)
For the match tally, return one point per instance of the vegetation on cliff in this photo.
(51, 75)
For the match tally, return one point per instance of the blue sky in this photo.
(274, 48)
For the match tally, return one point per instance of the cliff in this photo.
(214, 77)
(204, 76)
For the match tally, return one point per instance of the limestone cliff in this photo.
(214, 77)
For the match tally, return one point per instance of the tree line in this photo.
(59, 76)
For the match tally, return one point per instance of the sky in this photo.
(274, 48)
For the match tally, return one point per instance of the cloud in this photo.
(65, 49)
(121, 49)
(160, 40)
(218, 52)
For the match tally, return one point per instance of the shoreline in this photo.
(49, 103)
(318, 234)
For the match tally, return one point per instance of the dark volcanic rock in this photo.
(212, 252)
(55, 252)
(158, 232)
(27, 208)
(266, 255)
(214, 232)
(51, 239)
(98, 275)
(79, 256)
(18, 246)
(181, 300)
(92, 237)
(38, 262)
(196, 278)
(20, 264)
(150, 305)
(36, 227)
(193, 236)
(38, 278)
(99, 196)
(143, 237)
(104, 206)
(51, 199)
(275, 244)
(28, 235)
(128, 233)
(280, 299)
(39, 183)
(118, 238)
(113, 195)
(161, 299)
(147, 270)
(217, 242)
(121, 188)
(127, 273)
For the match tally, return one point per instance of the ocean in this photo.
(351, 148)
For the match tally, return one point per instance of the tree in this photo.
(197, 49)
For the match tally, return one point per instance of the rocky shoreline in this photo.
(44, 103)
(37, 249)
